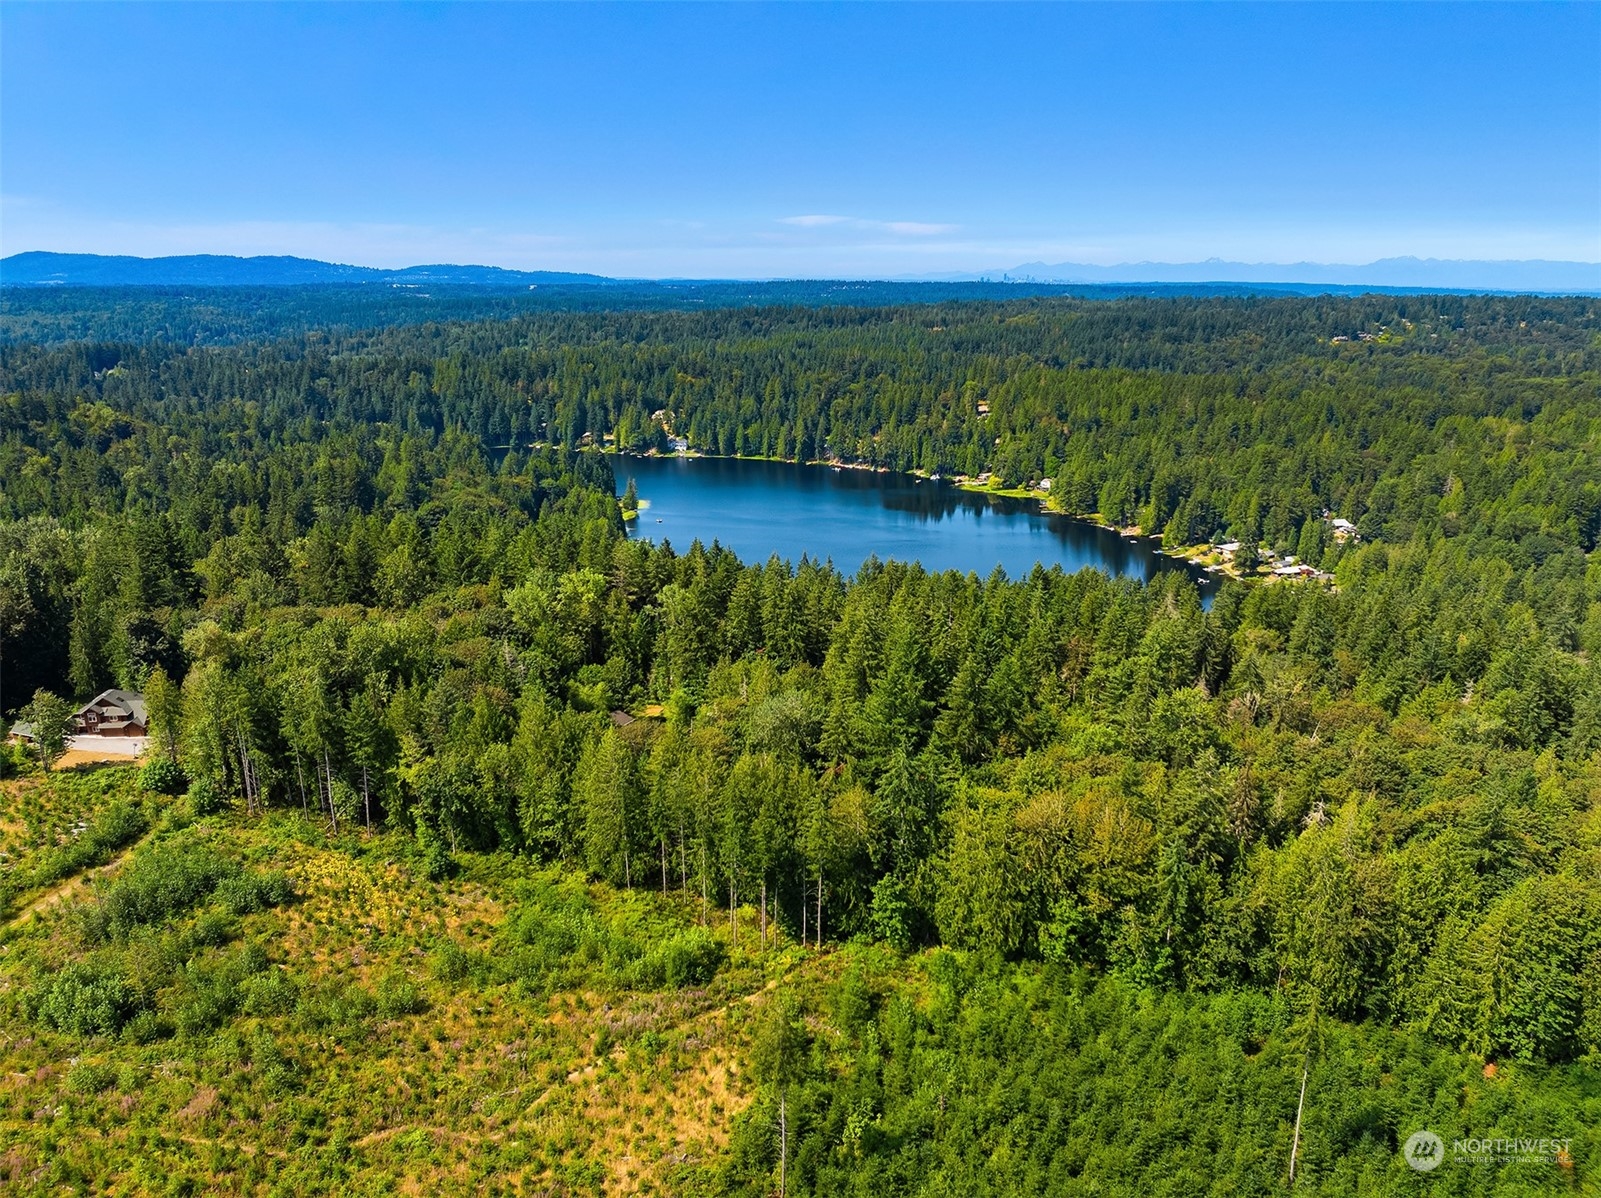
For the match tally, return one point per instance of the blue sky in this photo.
(753, 141)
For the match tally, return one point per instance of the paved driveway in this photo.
(102, 748)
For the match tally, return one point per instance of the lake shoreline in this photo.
(1199, 572)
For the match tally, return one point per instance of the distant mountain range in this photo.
(1428, 273)
(42, 269)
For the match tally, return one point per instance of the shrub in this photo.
(246, 893)
(206, 1008)
(397, 996)
(332, 1007)
(90, 1079)
(119, 824)
(271, 993)
(277, 1071)
(853, 1002)
(692, 958)
(213, 991)
(205, 797)
(163, 776)
(87, 1000)
(346, 802)
(14, 759)
(212, 929)
(146, 1028)
(450, 962)
(165, 882)
(437, 863)
(650, 1045)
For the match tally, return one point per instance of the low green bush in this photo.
(163, 776)
(213, 990)
(86, 999)
(90, 1079)
(205, 797)
(246, 893)
(158, 885)
(273, 992)
(331, 1007)
(450, 962)
(212, 929)
(692, 958)
(397, 995)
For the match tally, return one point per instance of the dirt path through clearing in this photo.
(67, 888)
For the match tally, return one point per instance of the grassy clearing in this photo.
(167, 1028)
(55, 826)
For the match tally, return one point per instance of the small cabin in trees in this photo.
(112, 713)
(1344, 530)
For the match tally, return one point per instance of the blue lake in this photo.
(758, 509)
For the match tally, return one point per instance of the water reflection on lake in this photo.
(759, 509)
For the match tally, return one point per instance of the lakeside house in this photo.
(1302, 570)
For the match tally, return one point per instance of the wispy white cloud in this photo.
(901, 228)
(816, 220)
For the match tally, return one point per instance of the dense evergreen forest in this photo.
(1093, 881)
(218, 315)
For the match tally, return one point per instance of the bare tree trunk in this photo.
(333, 812)
(1295, 1143)
(819, 909)
(705, 900)
(683, 863)
(803, 908)
(366, 798)
(764, 912)
(783, 1145)
(247, 775)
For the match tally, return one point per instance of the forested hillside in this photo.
(1056, 884)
